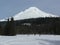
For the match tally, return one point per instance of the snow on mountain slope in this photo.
(32, 12)
(2, 20)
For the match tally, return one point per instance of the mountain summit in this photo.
(32, 12)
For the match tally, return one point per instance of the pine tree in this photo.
(9, 28)
(12, 27)
(7, 31)
(1, 31)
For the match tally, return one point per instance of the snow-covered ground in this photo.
(30, 40)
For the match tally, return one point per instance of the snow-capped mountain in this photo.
(32, 12)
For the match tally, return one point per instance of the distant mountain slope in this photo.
(32, 12)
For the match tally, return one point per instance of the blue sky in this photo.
(11, 7)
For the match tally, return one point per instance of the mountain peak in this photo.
(33, 8)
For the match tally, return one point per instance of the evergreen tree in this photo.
(12, 27)
(9, 28)
(7, 31)
(1, 30)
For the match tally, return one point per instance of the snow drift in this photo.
(30, 40)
